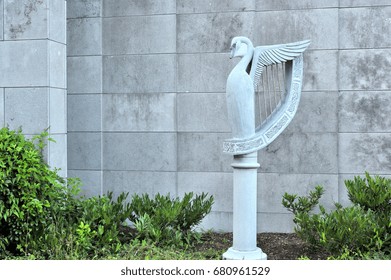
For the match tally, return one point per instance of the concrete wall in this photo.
(33, 71)
(84, 50)
(146, 98)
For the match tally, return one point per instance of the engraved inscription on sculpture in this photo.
(280, 124)
(233, 148)
(295, 97)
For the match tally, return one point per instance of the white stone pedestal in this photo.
(245, 210)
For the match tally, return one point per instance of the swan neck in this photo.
(247, 57)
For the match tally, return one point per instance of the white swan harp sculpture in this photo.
(265, 85)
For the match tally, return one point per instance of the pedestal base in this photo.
(233, 254)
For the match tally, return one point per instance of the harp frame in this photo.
(279, 119)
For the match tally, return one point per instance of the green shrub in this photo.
(42, 215)
(104, 216)
(372, 193)
(27, 189)
(91, 233)
(361, 230)
(302, 204)
(169, 221)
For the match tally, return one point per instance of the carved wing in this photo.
(273, 54)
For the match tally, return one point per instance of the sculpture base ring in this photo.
(233, 254)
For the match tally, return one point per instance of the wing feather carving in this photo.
(267, 55)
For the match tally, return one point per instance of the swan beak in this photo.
(232, 54)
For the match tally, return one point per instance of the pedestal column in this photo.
(245, 210)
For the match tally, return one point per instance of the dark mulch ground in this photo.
(277, 246)
(287, 246)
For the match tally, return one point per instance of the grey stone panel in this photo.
(91, 181)
(356, 3)
(360, 152)
(57, 21)
(1, 19)
(272, 186)
(139, 151)
(83, 8)
(367, 69)
(317, 112)
(217, 221)
(320, 70)
(202, 112)
(84, 36)
(1, 107)
(365, 27)
(119, 8)
(27, 108)
(203, 152)
(27, 20)
(217, 184)
(282, 5)
(275, 222)
(266, 222)
(57, 110)
(364, 111)
(208, 72)
(211, 32)
(139, 73)
(84, 112)
(32, 70)
(84, 150)
(57, 65)
(139, 35)
(58, 153)
(301, 153)
(343, 196)
(318, 25)
(84, 74)
(139, 182)
(213, 6)
(139, 112)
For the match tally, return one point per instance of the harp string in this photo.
(264, 93)
(273, 69)
(283, 79)
(279, 82)
(270, 91)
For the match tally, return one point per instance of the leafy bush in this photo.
(362, 230)
(301, 206)
(91, 233)
(372, 193)
(27, 189)
(103, 217)
(41, 213)
(169, 221)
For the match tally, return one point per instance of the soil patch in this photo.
(277, 246)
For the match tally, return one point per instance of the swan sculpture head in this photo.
(239, 46)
